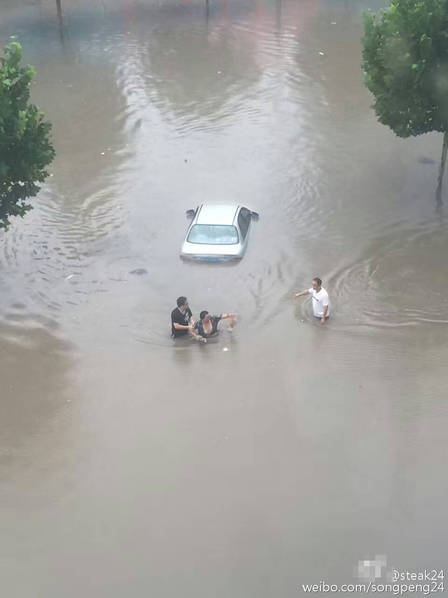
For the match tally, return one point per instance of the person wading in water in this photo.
(320, 299)
(208, 324)
(181, 318)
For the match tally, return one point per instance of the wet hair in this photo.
(318, 280)
(203, 314)
(181, 301)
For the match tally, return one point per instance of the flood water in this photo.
(135, 466)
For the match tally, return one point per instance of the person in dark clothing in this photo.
(208, 325)
(181, 318)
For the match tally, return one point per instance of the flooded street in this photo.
(133, 465)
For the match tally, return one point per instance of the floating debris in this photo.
(139, 271)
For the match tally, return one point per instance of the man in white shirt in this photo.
(320, 299)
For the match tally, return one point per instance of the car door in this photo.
(244, 224)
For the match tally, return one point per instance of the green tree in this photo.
(25, 146)
(405, 61)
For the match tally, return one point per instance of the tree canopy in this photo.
(25, 145)
(405, 60)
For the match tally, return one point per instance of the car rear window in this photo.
(213, 234)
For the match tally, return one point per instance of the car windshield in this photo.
(213, 234)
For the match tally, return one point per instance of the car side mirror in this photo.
(190, 213)
(255, 215)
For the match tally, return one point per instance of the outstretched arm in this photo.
(302, 293)
(231, 316)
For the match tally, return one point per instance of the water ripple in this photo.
(385, 288)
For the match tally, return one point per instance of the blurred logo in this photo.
(371, 569)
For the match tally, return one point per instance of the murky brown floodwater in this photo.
(132, 466)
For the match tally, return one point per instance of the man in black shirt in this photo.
(181, 322)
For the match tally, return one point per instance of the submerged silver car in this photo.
(217, 232)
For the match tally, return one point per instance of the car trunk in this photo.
(210, 253)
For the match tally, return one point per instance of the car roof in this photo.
(217, 213)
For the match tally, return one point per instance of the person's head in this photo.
(182, 302)
(204, 316)
(316, 283)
